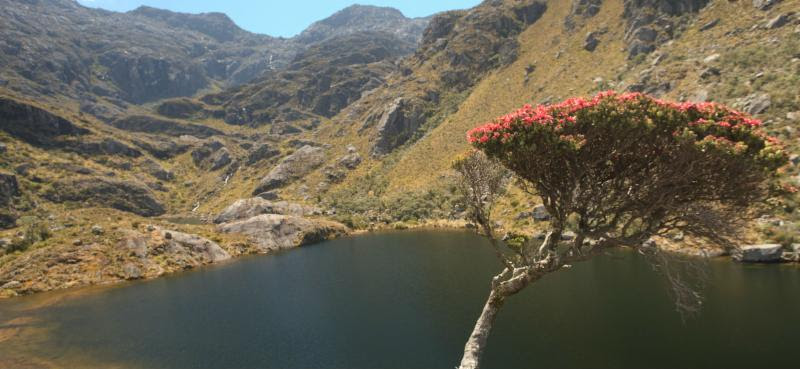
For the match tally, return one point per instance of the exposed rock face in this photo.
(106, 146)
(321, 81)
(186, 248)
(273, 232)
(263, 152)
(140, 56)
(161, 147)
(591, 42)
(582, 9)
(361, 18)
(179, 108)
(9, 188)
(768, 253)
(398, 123)
(461, 40)
(764, 4)
(248, 208)
(157, 171)
(755, 103)
(33, 125)
(292, 167)
(652, 22)
(146, 124)
(122, 195)
(212, 156)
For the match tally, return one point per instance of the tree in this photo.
(622, 168)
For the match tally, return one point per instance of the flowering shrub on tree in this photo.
(622, 168)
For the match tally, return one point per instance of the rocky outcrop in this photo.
(755, 104)
(653, 22)
(146, 124)
(459, 41)
(301, 162)
(157, 171)
(262, 153)
(582, 9)
(364, 18)
(103, 192)
(397, 125)
(768, 253)
(179, 108)
(161, 147)
(248, 208)
(34, 125)
(9, 189)
(212, 156)
(106, 146)
(271, 232)
(128, 255)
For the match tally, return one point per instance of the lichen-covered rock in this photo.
(271, 232)
(292, 167)
(103, 192)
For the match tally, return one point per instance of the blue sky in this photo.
(280, 17)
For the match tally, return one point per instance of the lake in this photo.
(409, 300)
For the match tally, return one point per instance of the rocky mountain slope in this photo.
(356, 123)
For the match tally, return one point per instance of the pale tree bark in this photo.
(473, 351)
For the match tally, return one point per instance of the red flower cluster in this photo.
(559, 115)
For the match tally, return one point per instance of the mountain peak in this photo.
(364, 18)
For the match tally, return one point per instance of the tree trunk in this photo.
(480, 334)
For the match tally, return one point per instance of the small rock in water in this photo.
(767, 253)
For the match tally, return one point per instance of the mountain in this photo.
(364, 18)
(107, 61)
(355, 120)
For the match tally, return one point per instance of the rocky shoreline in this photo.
(253, 226)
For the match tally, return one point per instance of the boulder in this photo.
(779, 21)
(756, 103)
(269, 195)
(591, 42)
(766, 253)
(272, 232)
(127, 196)
(291, 168)
(105, 146)
(540, 213)
(350, 161)
(764, 4)
(248, 208)
(711, 58)
(709, 25)
(192, 246)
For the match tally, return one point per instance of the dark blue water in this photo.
(409, 300)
